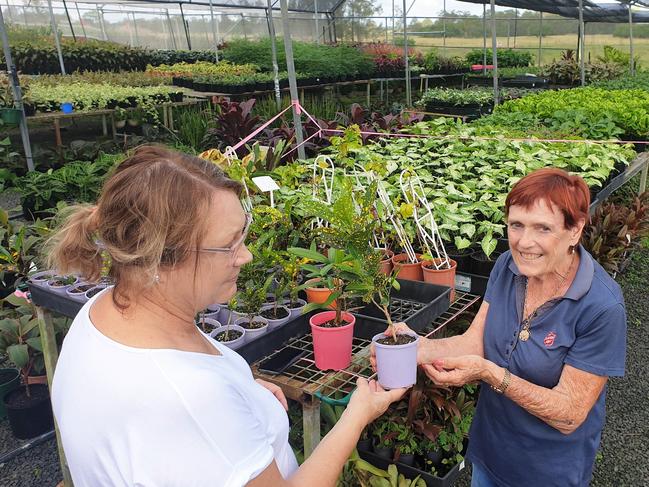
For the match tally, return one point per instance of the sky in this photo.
(430, 8)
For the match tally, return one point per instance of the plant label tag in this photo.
(265, 183)
(463, 283)
(461, 466)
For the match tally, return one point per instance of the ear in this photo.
(576, 231)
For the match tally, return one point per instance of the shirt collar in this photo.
(583, 279)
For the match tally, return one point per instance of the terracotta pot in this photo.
(406, 270)
(443, 277)
(332, 347)
(318, 294)
(386, 262)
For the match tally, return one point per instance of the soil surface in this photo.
(269, 314)
(252, 325)
(402, 339)
(232, 335)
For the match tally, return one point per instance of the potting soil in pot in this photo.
(332, 324)
(252, 325)
(228, 336)
(97, 290)
(81, 289)
(402, 339)
(270, 314)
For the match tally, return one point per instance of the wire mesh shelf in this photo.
(305, 377)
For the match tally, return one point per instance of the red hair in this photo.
(555, 186)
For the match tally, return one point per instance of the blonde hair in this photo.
(148, 217)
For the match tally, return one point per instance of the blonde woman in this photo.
(141, 396)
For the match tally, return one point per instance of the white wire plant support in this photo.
(391, 214)
(427, 229)
(323, 184)
(364, 179)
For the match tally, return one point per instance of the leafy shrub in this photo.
(615, 56)
(615, 230)
(638, 82)
(627, 109)
(435, 63)
(507, 58)
(169, 56)
(317, 60)
(217, 70)
(40, 57)
(566, 70)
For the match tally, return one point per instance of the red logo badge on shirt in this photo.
(549, 339)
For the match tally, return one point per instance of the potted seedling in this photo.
(290, 271)
(60, 284)
(250, 299)
(78, 291)
(231, 335)
(384, 433)
(406, 444)
(275, 312)
(28, 407)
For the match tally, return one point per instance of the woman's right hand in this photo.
(370, 400)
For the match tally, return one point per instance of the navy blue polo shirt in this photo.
(586, 329)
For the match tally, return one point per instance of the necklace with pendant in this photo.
(525, 333)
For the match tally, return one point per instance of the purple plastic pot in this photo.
(295, 312)
(233, 344)
(273, 324)
(62, 290)
(396, 364)
(90, 293)
(253, 334)
(214, 308)
(210, 324)
(41, 278)
(77, 294)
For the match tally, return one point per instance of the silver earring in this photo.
(156, 278)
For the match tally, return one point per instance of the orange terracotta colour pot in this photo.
(386, 263)
(406, 270)
(318, 294)
(443, 277)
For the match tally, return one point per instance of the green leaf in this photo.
(461, 243)
(18, 355)
(488, 244)
(308, 254)
(35, 343)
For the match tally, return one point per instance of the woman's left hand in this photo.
(275, 390)
(456, 371)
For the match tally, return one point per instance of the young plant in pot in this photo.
(290, 273)
(231, 335)
(250, 299)
(332, 330)
(28, 407)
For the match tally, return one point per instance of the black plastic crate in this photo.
(41, 296)
(412, 472)
(416, 303)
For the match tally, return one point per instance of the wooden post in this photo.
(57, 133)
(50, 356)
(104, 125)
(369, 82)
(311, 424)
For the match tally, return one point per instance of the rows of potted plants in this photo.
(216, 70)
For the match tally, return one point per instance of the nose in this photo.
(243, 256)
(526, 238)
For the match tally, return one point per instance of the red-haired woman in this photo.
(551, 330)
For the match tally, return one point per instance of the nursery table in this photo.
(309, 386)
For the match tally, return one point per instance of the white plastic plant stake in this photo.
(266, 184)
(324, 167)
(396, 223)
(427, 229)
(230, 154)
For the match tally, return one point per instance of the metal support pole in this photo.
(494, 49)
(215, 39)
(405, 54)
(243, 26)
(386, 30)
(100, 16)
(484, 38)
(8, 10)
(67, 14)
(25, 16)
(273, 48)
(83, 27)
(540, 38)
(137, 36)
(631, 60)
(515, 25)
(443, 28)
(315, 17)
(55, 32)
(292, 83)
(171, 30)
(582, 39)
(643, 179)
(186, 26)
(131, 40)
(17, 93)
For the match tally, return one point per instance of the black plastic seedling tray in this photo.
(412, 472)
(416, 303)
(58, 303)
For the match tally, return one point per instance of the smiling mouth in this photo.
(529, 257)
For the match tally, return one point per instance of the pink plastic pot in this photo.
(396, 365)
(332, 347)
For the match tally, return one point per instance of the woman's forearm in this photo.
(324, 465)
(449, 347)
(563, 407)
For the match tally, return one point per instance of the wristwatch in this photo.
(504, 384)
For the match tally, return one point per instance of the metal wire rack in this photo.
(400, 309)
(307, 378)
